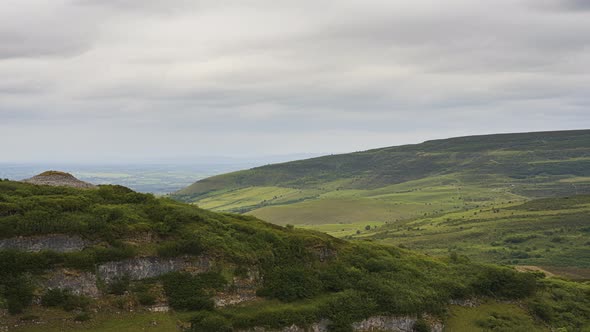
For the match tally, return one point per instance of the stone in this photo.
(149, 267)
(79, 283)
(53, 242)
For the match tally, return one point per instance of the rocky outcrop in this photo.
(79, 283)
(58, 179)
(321, 326)
(324, 253)
(55, 242)
(149, 267)
(394, 324)
(242, 289)
(376, 323)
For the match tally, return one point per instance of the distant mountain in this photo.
(403, 182)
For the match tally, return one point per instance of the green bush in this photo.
(65, 299)
(146, 298)
(506, 283)
(119, 286)
(210, 322)
(421, 325)
(290, 283)
(188, 292)
(18, 292)
(182, 247)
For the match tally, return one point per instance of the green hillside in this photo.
(302, 276)
(373, 187)
(551, 233)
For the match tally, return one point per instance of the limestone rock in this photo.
(53, 242)
(149, 267)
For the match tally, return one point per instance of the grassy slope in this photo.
(363, 279)
(553, 233)
(401, 183)
(505, 317)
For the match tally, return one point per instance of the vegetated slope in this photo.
(404, 182)
(96, 252)
(551, 233)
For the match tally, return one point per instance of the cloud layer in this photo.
(96, 80)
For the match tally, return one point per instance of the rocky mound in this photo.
(57, 178)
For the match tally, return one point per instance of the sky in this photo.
(132, 81)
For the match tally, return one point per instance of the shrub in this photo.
(290, 283)
(54, 298)
(188, 292)
(18, 292)
(421, 325)
(82, 317)
(145, 298)
(210, 322)
(119, 286)
(65, 299)
(183, 247)
(504, 282)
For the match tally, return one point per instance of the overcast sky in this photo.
(131, 80)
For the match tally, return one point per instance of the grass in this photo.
(250, 198)
(343, 230)
(492, 316)
(550, 233)
(410, 200)
(57, 320)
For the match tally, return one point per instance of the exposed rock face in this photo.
(324, 253)
(388, 323)
(149, 267)
(377, 323)
(59, 179)
(321, 326)
(243, 289)
(79, 283)
(55, 242)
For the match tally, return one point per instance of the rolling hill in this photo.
(110, 259)
(351, 191)
(552, 234)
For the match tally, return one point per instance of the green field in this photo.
(393, 203)
(552, 233)
(406, 182)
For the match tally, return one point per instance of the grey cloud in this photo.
(575, 4)
(41, 28)
(289, 76)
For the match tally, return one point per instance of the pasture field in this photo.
(410, 200)
(550, 233)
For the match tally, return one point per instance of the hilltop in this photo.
(351, 191)
(58, 179)
(73, 258)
